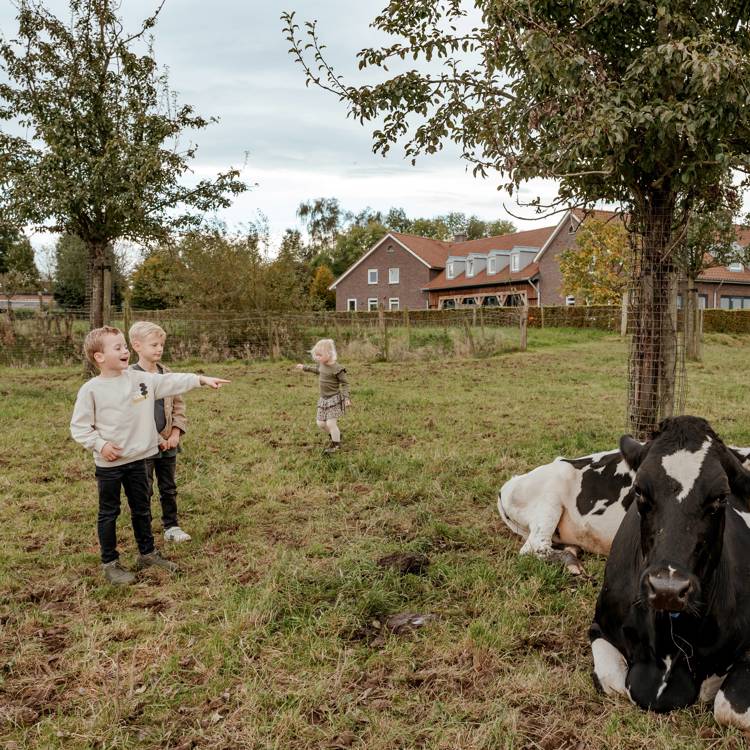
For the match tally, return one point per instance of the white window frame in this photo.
(451, 270)
(515, 263)
(370, 272)
(736, 267)
(394, 276)
(393, 304)
(370, 302)
(491, 265)
(469, 268)
(349, 307)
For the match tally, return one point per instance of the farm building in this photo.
(403, 270)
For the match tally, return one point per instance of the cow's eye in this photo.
(718, 502)
(643, 501)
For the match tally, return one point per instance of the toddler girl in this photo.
(334, 390)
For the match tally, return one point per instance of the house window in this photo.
(372, 275)
(393, 303)
(470, 268)
(451, 271)
(735, 303)
(736, 267)
(393, 275)
(351, 305)
(515, 262)
(491, 265)
(372, 304)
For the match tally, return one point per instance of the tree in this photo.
(287, 278)
(153, 281)
(637, 104)
(322, 298)
(597, 269)
(323, 218)
(354, 242)
(101, 158)
(70, 275)
(218, 271)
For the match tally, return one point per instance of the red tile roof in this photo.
(432, 252)
(483, 278)
(436, 252)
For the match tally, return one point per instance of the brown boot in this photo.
(155, 560)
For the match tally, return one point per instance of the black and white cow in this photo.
(571, 502)
(672, 622)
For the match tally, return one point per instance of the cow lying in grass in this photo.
(672, 622)
(571, 504)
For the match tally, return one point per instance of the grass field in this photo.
(274, 636)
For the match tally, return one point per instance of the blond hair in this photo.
(141, 329)
(94, 341)
(328, 345)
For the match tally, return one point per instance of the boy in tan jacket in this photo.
(147, 340)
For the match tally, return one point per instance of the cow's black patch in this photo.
(599, 481)
(736, 687)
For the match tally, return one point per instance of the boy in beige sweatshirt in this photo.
(114, 418)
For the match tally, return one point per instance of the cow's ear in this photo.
(738, 475)
(632, 451)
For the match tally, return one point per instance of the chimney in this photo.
(459, 238)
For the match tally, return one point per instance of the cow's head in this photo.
(684, 476)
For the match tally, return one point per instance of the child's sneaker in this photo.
(155, 560)
(116, 574)
(332, 448)
(176, 534)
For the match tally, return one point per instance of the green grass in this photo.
(274, 635)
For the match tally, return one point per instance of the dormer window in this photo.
(491, 265)
(469, 267)
(736, 267)
(451, 271)
(515, 262)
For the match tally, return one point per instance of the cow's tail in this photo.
(502, 499)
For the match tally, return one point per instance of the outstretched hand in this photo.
(213, 382)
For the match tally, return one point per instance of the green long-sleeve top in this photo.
(331, 377)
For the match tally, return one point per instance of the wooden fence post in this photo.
(383, 324)
(524, 325)
(469, 337)
(408, 329)
(624, 314)
(270, 339)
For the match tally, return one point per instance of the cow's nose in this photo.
(668, 591)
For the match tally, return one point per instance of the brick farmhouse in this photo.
(405, 271)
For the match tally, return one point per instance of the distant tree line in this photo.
(216, 269)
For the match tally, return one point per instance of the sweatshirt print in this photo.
(120, 410)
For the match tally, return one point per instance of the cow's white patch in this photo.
(599, 507)
(744, 516)
(610, 667)
(684, 467)
(665, 679)
(710, 686)
(726, 715)
(672, 571)
(593, 458)
(623, 469)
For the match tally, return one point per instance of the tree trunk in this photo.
(100, 277)
(653, 348)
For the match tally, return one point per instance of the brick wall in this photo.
(413, 275)
(714, 292)
(549, 268)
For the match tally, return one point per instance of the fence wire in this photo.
(656, 363)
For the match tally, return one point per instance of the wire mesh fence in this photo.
(656, 363)
(56, 337)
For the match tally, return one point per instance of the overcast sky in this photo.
(229, 58)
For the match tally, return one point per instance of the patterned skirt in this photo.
(330, 408)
